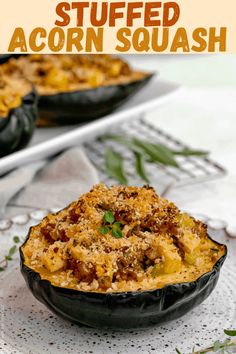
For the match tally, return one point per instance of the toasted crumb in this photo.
(55, 73)
(120, 239)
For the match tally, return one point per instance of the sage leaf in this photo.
(217, 345)
(12, 251)
(8, 258)
(123, 141)
(157, 152)
(189, 152)
(16, 239)
(230, 332)
(144, 151)
(140, 169)
(114, 166)
(177, 351)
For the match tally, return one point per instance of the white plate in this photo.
(151, 96)
(27, 327)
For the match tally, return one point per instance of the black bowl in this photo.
(122, 310)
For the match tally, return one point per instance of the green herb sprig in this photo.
(9, 256)
(143, 152)
(110, 225)
(114, 166)
(222, 347)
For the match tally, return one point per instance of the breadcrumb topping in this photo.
(55, 73)
(11, 92)
(120, 239)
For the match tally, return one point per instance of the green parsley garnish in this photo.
(104, 230)
(108, 217)
(222, 347)
(110, 225)
(116, 230)
(9, 256)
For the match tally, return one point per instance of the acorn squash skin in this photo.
(85, 105)
(126, 310)
(6, 57)
(17, 129)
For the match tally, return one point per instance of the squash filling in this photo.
(11, 92)
(120, 239)
(52, 74)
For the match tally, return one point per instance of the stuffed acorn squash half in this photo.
(75, 88)
(18, 113)
(121, 257)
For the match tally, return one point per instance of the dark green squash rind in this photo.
(85, 105)
(6, 57)
(122, 310)
(17, 129)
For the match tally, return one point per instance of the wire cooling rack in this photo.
(192, 169)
